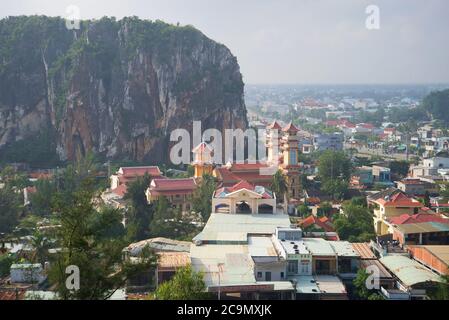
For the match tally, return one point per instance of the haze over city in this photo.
(304, 42)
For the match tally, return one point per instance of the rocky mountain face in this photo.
(117, 88)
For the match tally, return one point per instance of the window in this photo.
(292, 267)
(304, 267)
(282, 275)
(259, 275)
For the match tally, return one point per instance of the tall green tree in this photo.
(202, 198)
(334, 170)
(437, 105)
(279, 185)
(10, 209)
(171, 222)
(42, 198)
(140, 212)
(93, 241)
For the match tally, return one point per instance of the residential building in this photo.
(125, 175)
(416, 187)
(331, 141)
(178, 192)
(391, 203)
(413, 279)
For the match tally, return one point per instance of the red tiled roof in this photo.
(275, 125)
(400, 200)
(332, 123)
(173, 184)
(152, 171)
(290, 128)
(366, 125)
(313, 200)
(418, 218)
(120, 190)
(312, 220)
(247, 167)
(242, 185)
(12, 294)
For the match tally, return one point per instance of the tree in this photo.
(40, 244)
(185, 285)
(361, 289)
(140, 213)
(437, 104)
(6, 261)
(42, 198)
(93, 241)
(336, 188)
(426, 199)
(356, 224)
(334, 170)
(202, 198)
(303, 210)
(279, 185)
(325, 209)
(10, 210)
(171, 222)
(399, 168)
(441, 292)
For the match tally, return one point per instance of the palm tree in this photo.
(279, 185)
(40, 244)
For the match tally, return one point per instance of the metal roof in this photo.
(408, 271)
(225, 265)
(344, 249)
(319, 247)
(383, 272)
(226, 228)
(424, 227)
(330, 284)
(364, 250)
(261, 247)
(306, 285)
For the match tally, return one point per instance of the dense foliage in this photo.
(356, 224)
(185, 285)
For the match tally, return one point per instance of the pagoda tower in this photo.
(290, 166)
(202, 160)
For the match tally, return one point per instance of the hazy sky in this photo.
(299, 41)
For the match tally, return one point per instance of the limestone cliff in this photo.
(117, 88)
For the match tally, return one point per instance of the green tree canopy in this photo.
(356, 224)
(202, 199)
(185, 285)
(93, 241)
(437, 105)
(140, 213)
